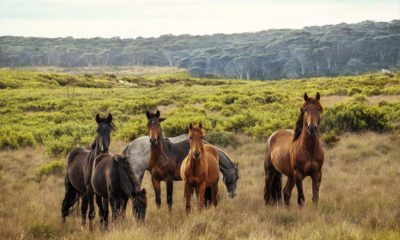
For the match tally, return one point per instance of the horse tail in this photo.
(71, 198)
(276, 188)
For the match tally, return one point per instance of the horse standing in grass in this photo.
(199, 170)
(114, 182)
(165, 158)
(296, 154)
(79, 170)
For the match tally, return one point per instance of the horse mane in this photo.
(299, 125)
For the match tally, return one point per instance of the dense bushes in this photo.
(52, 117)
(354, 116)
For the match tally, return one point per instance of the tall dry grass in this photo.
(359, 199)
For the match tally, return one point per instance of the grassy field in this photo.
(45, 114)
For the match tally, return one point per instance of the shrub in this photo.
(55, 167)
(14, 138)
(59, 146)
(133, 129)
(222, 138)
(330, 138)
(354, 116)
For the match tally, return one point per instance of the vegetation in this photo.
(45, 114)
(357, 199)
(329, 50)
(36, 110)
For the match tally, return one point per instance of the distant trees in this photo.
(312, 51)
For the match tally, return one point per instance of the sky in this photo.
(152, 18)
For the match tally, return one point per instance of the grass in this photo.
(44, 113)
(358, 199)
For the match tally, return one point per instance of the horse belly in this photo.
(281, 161)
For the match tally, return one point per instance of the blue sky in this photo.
(133, 18)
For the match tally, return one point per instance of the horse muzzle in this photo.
(232, 194)
(312, 129)
(153, 141)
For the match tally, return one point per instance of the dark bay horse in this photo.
(165, 158)
(296, 154)
(114, 182)
(200, 169)
(79, 170)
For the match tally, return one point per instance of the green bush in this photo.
(330, 138)
(222, 138)
(354, 116)
(60, 146)
(56, 167)
(14, 138)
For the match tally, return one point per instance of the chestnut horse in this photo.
(296, 154)
(79, 170)
(199, 170)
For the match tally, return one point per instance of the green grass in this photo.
(36, 110)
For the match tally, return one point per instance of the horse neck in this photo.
(160, 150)
(310, 142)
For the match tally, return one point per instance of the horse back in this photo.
(278, 151)
(75, 169)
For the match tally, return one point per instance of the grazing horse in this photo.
(114, 183)
(199, 170)
(296, 154)
(165, 158)
(79, 170)
(138, 152)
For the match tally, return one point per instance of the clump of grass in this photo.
(55, 167)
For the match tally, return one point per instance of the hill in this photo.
(329, 50)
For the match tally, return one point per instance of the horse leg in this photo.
(84, 208)
(188, 196)
(69, 200)
(105, 208)
(200, 190)
(298, 176)
(114, 207)
(92, 213)
(157, 191)
(170, 190)
(269, 180)
(123, 208)
(214, 194)
(101, 211)
(287, 191)
(316, 182)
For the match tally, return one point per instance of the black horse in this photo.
(79, 170)
(114, 183)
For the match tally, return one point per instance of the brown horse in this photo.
(295, 154)
(79, 170)
(200, 169)
(114, 183)
(165, 158)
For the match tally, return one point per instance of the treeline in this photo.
(312, 51)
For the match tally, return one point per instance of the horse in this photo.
(165, 158)
(296, 154)
(114, 183)
(138, 152)
(77, 179)
(199, 170)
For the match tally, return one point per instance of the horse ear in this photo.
(305, 97)
(109, 118)
(116, 159)
(148, 114)
(318, 96)
(190, 126)
(161, 119)
(158, 114)
(144, 191)
(98, 119)
(200, 125)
